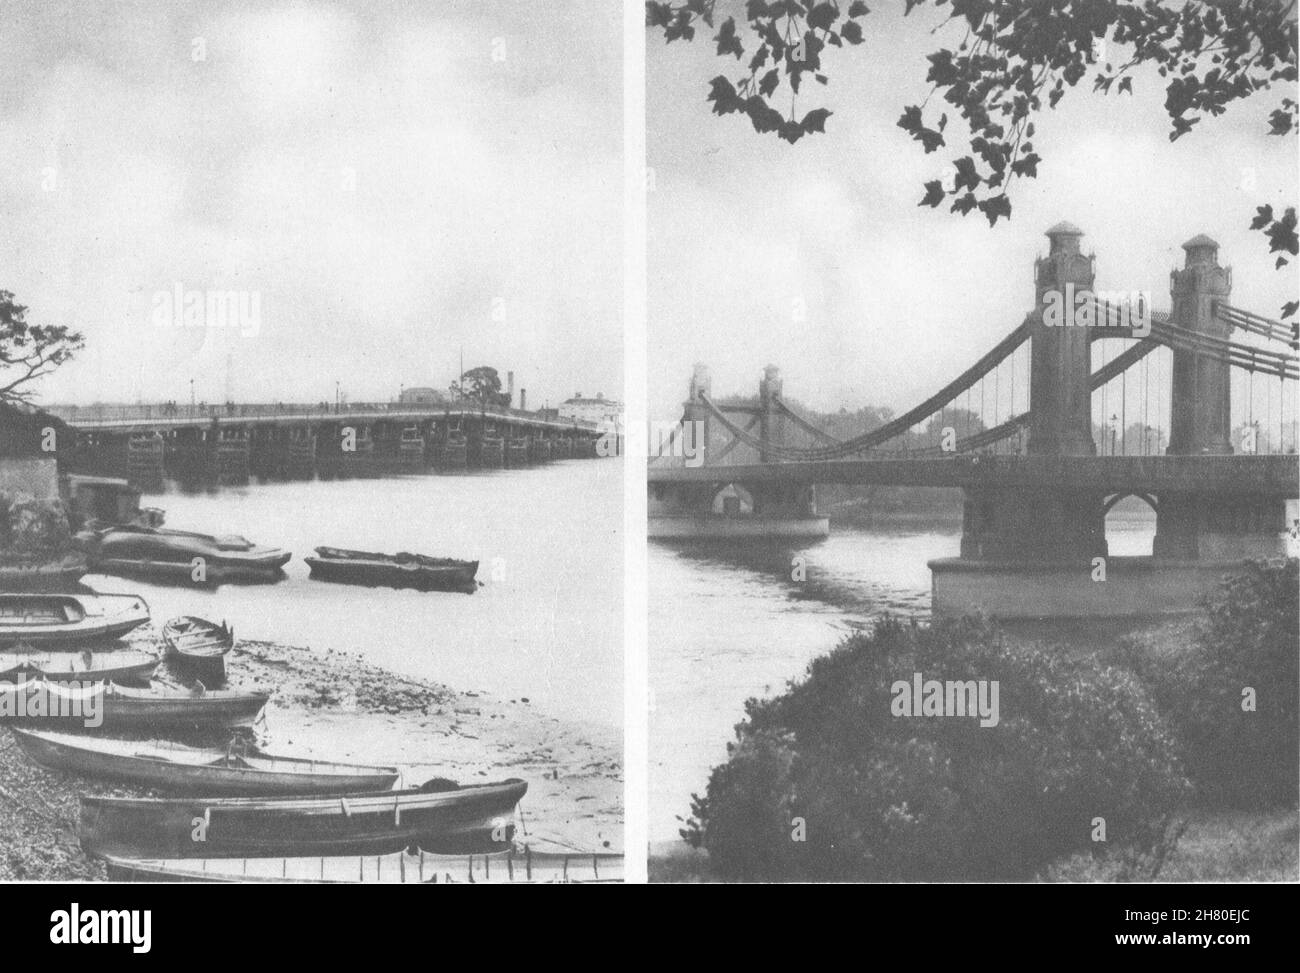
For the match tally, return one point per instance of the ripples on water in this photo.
(729, 623)
(546, 625)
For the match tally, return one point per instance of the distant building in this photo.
(421, 396)
(604, 413)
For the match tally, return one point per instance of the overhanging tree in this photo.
(1015, 59)
(29, 351)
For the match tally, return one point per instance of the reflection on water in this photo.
(729, 623)
(546, 624)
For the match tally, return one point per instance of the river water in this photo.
(728, 624)
(546, 625)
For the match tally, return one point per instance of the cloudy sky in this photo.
(900, 299)
(391, 180)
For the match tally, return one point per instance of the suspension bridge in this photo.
(1192, 409)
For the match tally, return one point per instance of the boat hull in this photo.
(198, 712)
(183, 571)
(62, 619)
(199, 647)
(42, 575)
(205, 778)
(398, 869)
(170, 554)
(118, 710)
(210, 670)
(392, 576)
(463, 820)
(133, 667)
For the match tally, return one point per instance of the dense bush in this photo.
(1250, 638)
(912, 798)
(31, 527)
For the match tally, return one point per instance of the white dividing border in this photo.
(635, 599)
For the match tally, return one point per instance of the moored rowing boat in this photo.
(508, 867)
(115, 666)
(56, 619)
(464, 819)
(211, 771)
(115, 707)
(401, 570)
(165, 553)
(199, 646)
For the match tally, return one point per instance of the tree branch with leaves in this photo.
(1015, 59)
(29, 351)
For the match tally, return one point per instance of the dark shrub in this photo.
(1251, 637)
(32, 527)
(912, 798)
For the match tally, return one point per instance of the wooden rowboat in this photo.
(60, 619)
(199, 646)
(401, 868)
(211, 771)
(393, 570)
(463, 819)
(117, 707)
(116, 666)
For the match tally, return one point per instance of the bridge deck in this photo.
(149, 420)
(1274, 475)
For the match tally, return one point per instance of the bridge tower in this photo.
(1200, 525)
(695, 415)
(1060, 360)
(1199, 398)
(771, 421)
(1038, 524)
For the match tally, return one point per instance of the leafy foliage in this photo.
(28, 351)
(897, 798)
(1238, 758)
(1281, 240)
(481, 385)
(1015, 58)
(30, 527)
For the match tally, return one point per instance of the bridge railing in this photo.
(206, 412)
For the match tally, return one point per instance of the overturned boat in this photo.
(460, 819)
(127, 666)
(115, 707)
(401, 868)
(400, 570)
(173, 767)
(160, 552)
(200, 647)
(36, 618)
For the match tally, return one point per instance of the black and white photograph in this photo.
(649, 442)
(972, 480)
(310, 387)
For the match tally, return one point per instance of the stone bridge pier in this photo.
(1042, 551)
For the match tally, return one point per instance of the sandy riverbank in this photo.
(336, 706)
